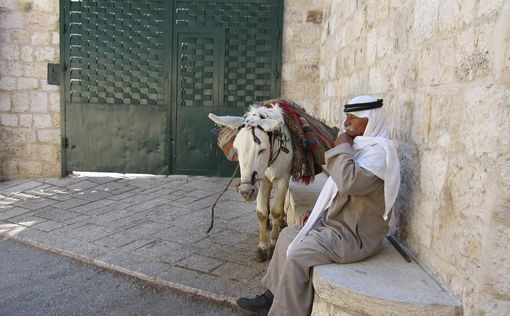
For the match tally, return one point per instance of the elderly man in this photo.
(350, 218)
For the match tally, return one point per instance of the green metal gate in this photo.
(140, 77)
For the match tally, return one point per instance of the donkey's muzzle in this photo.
(248, 192)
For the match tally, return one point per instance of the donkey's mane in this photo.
(257, 113)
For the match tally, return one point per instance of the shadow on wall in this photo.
(409, 168)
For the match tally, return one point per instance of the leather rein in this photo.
(275, 136)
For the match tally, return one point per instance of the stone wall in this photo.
(29, 107)
(302, 26)
(443, 69)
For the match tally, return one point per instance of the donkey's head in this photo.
(252, 144)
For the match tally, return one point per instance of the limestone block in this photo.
(300, 72)
(436, 63)
(55, 119)
(27, 54)
(45, 54)
(41, 38)
(29, 168)
(292, 16)
(25, 120)
(9, 120)
(378, 11)
(55, 38)
(300, 55)
(49, 136)
(473, 66)
(384, 43)
(378, 81)
(44, 5)
(42, 121)
(20, 102)
(11, 20)
(11, 69)
(41, 152)
(28, 84)
(35, 70)
(48, 87)
(425, 19)
(5, 102)
(9, 52)
(8, 83)
(6, 5)
(497, 272)
(449, 19)
(54, 101)
(51, 169)
(35, 20)
(308, 34)
(20, 36)
(489, 7)
(39, 102)
(371, 48)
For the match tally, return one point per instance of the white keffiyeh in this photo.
(374, 152)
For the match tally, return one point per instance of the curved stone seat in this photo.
(382, 285)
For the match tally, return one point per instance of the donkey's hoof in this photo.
(262, 254)
(271, 251)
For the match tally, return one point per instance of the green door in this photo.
(140, 78)
(115, 114)
(199, 90)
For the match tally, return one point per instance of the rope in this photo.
(218, 198)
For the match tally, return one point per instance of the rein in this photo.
(274, 136)
(218, 198)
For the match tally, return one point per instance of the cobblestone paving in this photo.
(149, 227)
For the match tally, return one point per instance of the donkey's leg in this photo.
(263, 216)
(277, 211)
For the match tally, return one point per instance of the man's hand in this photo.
(343, 138)
(304, 218)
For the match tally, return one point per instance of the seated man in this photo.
(350, 218)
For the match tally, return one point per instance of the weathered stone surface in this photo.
(442, 68)
(384, 284)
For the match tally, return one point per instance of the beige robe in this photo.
(352, 229)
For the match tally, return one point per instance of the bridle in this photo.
(275, 136)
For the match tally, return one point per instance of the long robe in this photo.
(351, 230)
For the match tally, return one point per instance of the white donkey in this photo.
(264, 150)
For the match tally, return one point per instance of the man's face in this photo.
(359, 124)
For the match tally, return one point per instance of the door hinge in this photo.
(65, 142)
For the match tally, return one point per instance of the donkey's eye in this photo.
(261, 151)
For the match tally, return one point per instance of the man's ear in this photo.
(270, 124)
(232, 122)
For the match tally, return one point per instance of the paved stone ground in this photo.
(152, 228)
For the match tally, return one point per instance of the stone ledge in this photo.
(382, 285)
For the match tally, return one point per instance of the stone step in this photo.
(382, 285)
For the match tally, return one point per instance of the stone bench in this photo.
(382, 285)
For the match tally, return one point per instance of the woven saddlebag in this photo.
(226, 139)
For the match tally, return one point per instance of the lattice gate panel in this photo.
(251, 34)
(116, 52)
(116, 109)
(196, 71)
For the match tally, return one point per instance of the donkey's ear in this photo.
(232, 122)
(270, 124)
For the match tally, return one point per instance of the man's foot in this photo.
(261, 303)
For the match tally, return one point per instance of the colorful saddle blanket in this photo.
(311, 138)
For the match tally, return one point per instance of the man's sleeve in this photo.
(350, 178)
